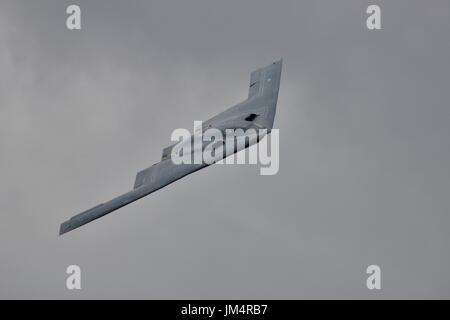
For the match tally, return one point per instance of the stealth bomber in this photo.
(256, 112)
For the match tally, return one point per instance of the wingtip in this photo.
(63, 228)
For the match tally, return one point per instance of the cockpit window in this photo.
(251, 117)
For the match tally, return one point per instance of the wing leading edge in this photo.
(257, 111)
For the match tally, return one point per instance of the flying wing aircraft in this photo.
(257, 112)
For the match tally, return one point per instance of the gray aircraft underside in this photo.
(256, 112)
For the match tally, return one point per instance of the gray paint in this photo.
(261, 101)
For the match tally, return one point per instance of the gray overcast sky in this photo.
(364, 131)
